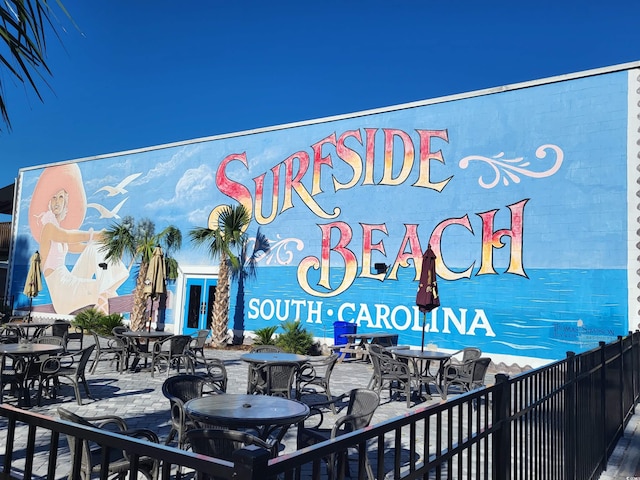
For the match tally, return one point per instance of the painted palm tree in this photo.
(246, 271)
(224, 235)
(23, 24)
(137, 242)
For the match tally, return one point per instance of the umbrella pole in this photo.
(30, 306)
(424, 322)
(150, 315)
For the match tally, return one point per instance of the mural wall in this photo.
(522, 195)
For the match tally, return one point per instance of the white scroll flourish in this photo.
(281, 251)
(513, 168)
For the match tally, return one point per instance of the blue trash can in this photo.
(340, 328)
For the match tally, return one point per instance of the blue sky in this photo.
(139, 73)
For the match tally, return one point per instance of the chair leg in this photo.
(332, 405)
(172, 433)
(86, 387)
(94, 364)
(76, 390)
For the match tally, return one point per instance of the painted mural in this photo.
(521, 194)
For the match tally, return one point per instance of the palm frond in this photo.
(23, 27)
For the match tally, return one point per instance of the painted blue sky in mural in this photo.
(135, 76)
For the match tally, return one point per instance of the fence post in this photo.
(622, 388)
(604, 436)
(635, 367)
(501, 444)
(570, 418)
(251, 463)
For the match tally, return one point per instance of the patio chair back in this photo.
(468, 375)
(315, 377)
(60, 328)
(50, 340)
(216, 374)
(464, 355)
(362, 405)
(480, 367)
(220, 443)
(118, 462)
(198, 343)
(266, 349)
(274, 378)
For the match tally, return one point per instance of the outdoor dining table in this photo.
(421, 367)
(269, 417)
(357, 343)
(140, 340)
(28, 352)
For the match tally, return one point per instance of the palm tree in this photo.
(22, 29)
(227, 235)
(137, 241)
(247, 270)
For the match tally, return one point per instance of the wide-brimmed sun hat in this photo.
(52, 180)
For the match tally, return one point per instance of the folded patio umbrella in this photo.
(427, 298)
(33, 283)
(156, 276)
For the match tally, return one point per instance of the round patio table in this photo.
(30, 352)
(421, 361)
(263, 413)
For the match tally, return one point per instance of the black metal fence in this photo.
(561, 421)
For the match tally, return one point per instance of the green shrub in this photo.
(295, 338)
(109, 322)
(264, 336)
(94, 320)
(88, 319)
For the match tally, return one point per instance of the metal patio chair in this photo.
(198, 343)
(315, 378)
(109, 347)
(70, 367)
(172, 351)
(390, 372)
(117, 462)
(360, 409)
(467, 376)
(221, 443)
(179, 389)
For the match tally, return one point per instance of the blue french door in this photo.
(199, 296)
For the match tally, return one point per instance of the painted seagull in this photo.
(106, 213)
(119, 189)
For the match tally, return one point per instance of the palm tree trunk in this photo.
(139, 310)
(220, 310)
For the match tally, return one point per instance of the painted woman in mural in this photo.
(56, 213)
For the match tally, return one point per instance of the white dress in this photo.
(83, 285)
